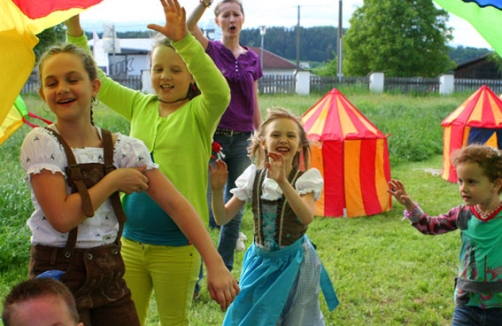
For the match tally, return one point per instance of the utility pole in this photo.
(113, 53)
(339, 47)
(263, 31)
(298, 40)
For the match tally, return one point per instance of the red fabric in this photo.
(334, 189)
(40, 8)
(368, 177)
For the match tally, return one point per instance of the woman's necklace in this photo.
(490, 215)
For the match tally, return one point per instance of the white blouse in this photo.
(310, 181)
(42, 151)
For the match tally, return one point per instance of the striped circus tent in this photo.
(352, 155)
(21, 21)
(477, 120)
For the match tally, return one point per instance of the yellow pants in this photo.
(169, 271)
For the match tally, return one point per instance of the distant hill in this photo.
(317, 44)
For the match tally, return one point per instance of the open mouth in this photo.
(282, 149)
(232, 28)
(166, 86)
(66, 101)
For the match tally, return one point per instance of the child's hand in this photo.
(73, 26)
(275, 167)
(396, 189)
(130, 180)
(222, 286)
(175, 28)
(218, 175)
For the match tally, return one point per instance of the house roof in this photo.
(144, 45)
(470, 62)
(132, 45)
(272, 60)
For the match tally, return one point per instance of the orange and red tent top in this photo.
(481, 110)
(333, 117)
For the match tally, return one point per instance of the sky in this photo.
(131, 15)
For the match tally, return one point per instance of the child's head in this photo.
(169, 74)
(45, 300)
(221, 4)
(229, 16)
(487, 159)
(68, 77)
(281, 132)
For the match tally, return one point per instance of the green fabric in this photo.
(181, 143)
(486, 20)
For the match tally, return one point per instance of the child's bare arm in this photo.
(222, 212)
(303, 206)
(64, 211)
(222, 286)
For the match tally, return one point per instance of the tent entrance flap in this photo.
(488, 136)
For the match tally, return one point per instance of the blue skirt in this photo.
(279, 288)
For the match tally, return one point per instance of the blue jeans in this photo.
(236, 157)
(235, 149)
(475, 316)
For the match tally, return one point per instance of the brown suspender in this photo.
(74, 172)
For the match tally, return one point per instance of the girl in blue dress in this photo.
(281, 274)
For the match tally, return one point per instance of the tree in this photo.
(329, 69)
(494, 57)
(402, 38)
(50, 36)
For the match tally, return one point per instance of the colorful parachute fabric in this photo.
(18, 115)
(14, 119)
(21, 21)
(484, 15)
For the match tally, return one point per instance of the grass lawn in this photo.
(384, 271)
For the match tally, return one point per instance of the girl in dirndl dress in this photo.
(281, 273)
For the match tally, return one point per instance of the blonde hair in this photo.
(218, 6)
(259, 155)
(87, 60)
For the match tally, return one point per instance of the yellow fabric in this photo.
(17, 60)
(380, 179)
(13, 121)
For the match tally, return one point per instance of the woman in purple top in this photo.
(241, 68)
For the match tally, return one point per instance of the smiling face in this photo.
(230, 18)
(282, 136)
(475, 187)
(169, 75)
(66, 86)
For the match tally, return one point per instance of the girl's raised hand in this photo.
(219, 175)
(175, 28)
(275, 166)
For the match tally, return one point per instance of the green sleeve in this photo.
(121, 99)
(215, 92)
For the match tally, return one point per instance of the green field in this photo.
(384, 271)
